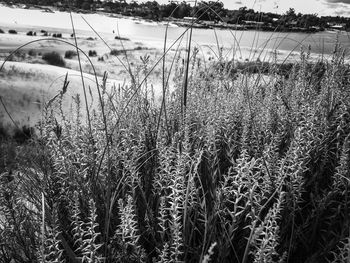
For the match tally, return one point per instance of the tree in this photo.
(152, 10)
(209, 10)
(291, 13)
(183, 10)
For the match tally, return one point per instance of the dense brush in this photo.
(253, 167)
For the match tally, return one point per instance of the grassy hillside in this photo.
(233, 166)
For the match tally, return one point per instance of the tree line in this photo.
(203, 11)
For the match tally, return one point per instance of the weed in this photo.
(241, 162)
(92, 53)
(31, 33)
(116, 52)
(54, 58)
(18, 56)
(23, 134)
(121, 38)
(3, 133)
(58, 35)
(32, 53)
(69, 54)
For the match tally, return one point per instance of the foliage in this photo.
(254, 168)
(17, 56)
(92, 53)
(23, 134)
(58, 35)
(31, 33)
(32, 53)
(116, 52)
(121, 38)
(69, 54)
(54, 58)
(204, 11)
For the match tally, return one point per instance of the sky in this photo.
(320, 7)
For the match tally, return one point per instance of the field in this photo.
(188, 160)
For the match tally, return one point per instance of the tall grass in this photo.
(257, 170)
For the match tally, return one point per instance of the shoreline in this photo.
(180, 22)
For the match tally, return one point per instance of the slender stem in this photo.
(186, 72)
(82, 76)
(43, 227)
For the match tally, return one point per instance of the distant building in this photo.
(209, 23)
(189, 18)
(253, 23)
(335, 26)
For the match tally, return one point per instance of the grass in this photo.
(69, 54)
(31, 33)
(54, 58)
(18, 56)
(32, 53)
(116, 52)
(12, 31)
(239, 163)
(58, 35)
(122, 38)
(92, 53)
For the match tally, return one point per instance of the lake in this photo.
(240, 44)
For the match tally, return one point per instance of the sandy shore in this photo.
(28, 82)
(26, 88)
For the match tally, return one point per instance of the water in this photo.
(242, 44)
(246, 43)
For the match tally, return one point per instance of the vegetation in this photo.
(69, 54)
(121, 38)
(32, 53)
(205, 11)
(238, 162)
(244, 166)
(116, 52)
(58, 35)
(54, 58)
(92, 53)
(2, 31)
(18, 56)
(31, 33)
(12, 31)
